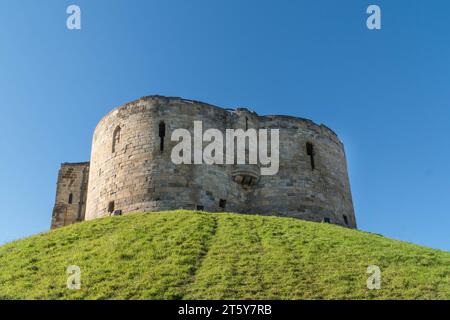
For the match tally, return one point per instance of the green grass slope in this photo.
(191, 255)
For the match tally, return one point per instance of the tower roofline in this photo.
(236, 110)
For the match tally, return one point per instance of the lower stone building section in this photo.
(71, 194)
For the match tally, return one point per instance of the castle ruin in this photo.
(131, 168)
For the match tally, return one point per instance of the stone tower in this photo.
(131, 168)
(71, 192)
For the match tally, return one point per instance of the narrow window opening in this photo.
(70, 198)
(200, 208)
(246, 123)
(222, 203)
(310, 153)
(111, 207)
(326, 220)
(345, 219)
(116, 139)
(162, 134)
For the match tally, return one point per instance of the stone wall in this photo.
(71, 193)
(130, 173)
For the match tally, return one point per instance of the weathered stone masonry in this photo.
(131, 168)
(71, 192)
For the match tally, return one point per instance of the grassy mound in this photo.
(191, 255)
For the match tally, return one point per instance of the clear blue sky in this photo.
(386, 93)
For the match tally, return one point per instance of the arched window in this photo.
(70, 198)
(116, 139)
(162, 134)
(310, 153)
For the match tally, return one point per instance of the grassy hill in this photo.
(191, 255)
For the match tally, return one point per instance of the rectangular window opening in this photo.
(162, 134)
(310, 153)
(111, 207)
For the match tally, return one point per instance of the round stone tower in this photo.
(131, 168)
